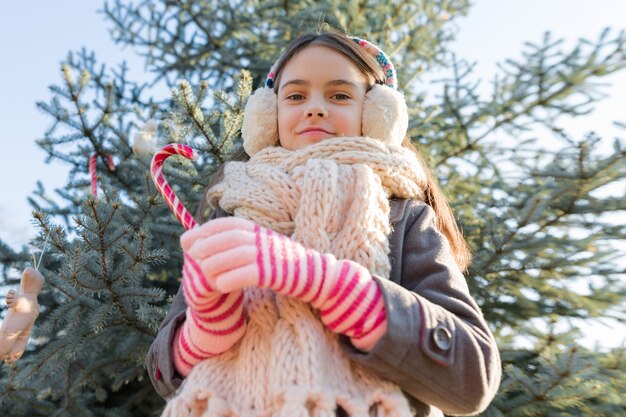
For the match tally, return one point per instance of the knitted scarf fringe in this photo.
(295, 402)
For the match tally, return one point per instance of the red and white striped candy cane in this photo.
(156, 168)
(92, 171)
(111, 163)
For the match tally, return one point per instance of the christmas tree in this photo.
(537, 218)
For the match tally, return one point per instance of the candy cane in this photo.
(92, 171)
(164, 188)
(111, 163)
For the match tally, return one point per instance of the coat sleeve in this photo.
(438, 347)
(159, 362)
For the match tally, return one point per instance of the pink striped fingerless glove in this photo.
(347, 297)
(214, 321)
(354, 305)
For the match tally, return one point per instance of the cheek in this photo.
(352, 122)
(285, 118)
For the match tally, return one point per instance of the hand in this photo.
(237, 253)
(197, 289)
(199, 292)
(234, 253)
(214, 322)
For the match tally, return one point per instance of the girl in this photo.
(328, 281)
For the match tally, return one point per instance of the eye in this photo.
(295, 97)
(340, 96)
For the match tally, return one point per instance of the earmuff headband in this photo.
(374, 51)
(385, 116)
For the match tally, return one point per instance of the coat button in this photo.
(442, 337)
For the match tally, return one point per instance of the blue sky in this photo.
(36, 36)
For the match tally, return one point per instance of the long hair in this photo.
(435, 198)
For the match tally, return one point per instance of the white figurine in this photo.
(23, 310)
(144, 140)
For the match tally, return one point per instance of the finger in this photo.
(195, 283)
(226, 261)
(213, 227)
(247, 276)
(209, 246)
(11, 299)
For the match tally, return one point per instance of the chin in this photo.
(300, 143)
(318, 140)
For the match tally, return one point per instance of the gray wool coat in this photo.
(437, 348)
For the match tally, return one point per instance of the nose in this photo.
(316, 109)
(319, 113)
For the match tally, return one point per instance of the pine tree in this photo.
(537, 217)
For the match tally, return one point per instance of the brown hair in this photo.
(446, 222)
(369, 67)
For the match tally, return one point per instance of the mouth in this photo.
(314, 130)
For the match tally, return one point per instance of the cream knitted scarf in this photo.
(331, 197)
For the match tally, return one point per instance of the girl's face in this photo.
(320, 96)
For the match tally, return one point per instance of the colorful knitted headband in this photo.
(383, 61)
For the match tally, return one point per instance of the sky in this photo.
(35, 36)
